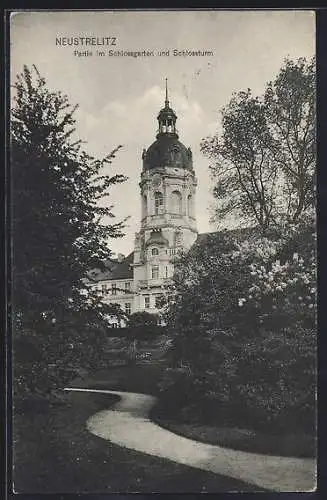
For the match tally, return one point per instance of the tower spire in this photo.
(166, 100)
(167, 117)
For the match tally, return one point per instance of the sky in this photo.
(120, 97)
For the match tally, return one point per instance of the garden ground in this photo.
(69, 459)
(55, 453)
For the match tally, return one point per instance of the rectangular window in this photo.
(155, 272)
(127, 286)
(146, 301)
(128, 308)
(104, 290)
(166, 271)
(159, 300)
(114, 289)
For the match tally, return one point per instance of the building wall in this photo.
(119, 292)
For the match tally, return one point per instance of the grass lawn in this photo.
(55, 453)
(243, 439)
(144, 378)
(141, 378)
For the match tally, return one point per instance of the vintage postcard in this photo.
(163, 240)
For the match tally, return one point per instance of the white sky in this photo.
(119, 98)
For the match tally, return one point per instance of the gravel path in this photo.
(127, 424)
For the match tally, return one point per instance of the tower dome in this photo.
(167, 151)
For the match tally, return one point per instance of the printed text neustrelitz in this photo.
(86, 40)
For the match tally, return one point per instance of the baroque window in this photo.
(158, 203)
(176, 202)
(155, 272)
(190, 205)
(144, 206)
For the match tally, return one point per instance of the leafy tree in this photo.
(58, 226)
(290, 105)
(263, 162)
(59, 221)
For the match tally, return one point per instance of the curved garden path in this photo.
(127, 424)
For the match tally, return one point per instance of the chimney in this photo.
(120, 257)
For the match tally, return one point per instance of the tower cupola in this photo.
(167, 151)
(167, 119)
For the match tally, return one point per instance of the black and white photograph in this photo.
(163, 251)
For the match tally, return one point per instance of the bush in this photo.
(47, 356)
(244, 314)
(142, 318)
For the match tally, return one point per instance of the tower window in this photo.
(155, 272)
(155, 251)
(144, 207)
(190, 205)
(158, 203)
(176, 200)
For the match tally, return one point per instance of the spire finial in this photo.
(166, 101)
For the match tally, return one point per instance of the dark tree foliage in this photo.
(264, 161)
(142, 318)
(59, 222)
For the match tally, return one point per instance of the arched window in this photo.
(176, 202)
(155, 251)
(190, 205)
(158, 203)
(144, 206)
